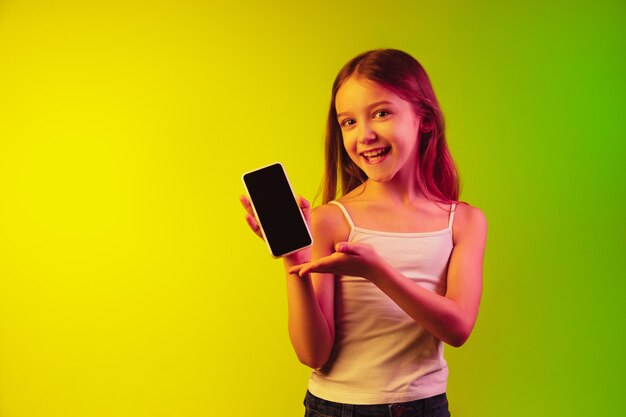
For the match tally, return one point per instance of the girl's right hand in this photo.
(301, 256)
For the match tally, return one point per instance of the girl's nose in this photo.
(366, 135)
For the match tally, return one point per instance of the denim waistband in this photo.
(331, 408)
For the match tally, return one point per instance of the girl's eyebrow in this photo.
(378, 103)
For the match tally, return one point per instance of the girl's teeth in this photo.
(375, 155)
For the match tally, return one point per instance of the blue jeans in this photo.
(436, 406)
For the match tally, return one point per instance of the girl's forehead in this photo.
(359, 91)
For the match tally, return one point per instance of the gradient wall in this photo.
(129, 283)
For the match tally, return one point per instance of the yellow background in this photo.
(129, 283)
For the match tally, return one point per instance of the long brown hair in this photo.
(403, 75)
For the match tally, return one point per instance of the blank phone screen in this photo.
(277, 210)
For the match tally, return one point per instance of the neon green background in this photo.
(129, 283)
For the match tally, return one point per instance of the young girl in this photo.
(396, 267)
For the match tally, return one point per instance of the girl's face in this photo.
(379, 129)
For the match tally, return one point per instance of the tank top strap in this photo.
(452, 210)
(345, 212)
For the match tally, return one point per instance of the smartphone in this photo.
(274, 203)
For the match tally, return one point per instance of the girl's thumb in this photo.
(345, 247)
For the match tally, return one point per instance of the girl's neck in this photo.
(395, 191)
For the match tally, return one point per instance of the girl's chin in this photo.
(377, 175)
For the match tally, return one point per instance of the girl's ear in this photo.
(426, 125)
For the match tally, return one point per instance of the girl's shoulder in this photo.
(468, 212)
(469, 222)
(329, 219)
(326, 214)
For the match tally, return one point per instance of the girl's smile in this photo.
(376, 155)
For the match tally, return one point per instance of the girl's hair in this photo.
(400, 73)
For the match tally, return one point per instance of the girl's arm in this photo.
(310, 299)
(310, 304)
(451, 317)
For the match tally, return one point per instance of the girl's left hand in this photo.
(351, 258)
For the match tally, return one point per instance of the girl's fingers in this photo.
(302, 202)
(298, 269)
(250, 218)
(305, 206)
(307, 270)
(322, 265)
(303, 269)
(245, 202)
(254, 225)
(347, 248)
(295, 270)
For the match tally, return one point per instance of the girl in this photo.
(396, 267)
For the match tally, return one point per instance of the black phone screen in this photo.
(277, 210)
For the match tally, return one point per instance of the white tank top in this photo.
(381, 355)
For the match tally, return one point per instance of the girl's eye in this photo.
(347, 122)
(381, 113)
